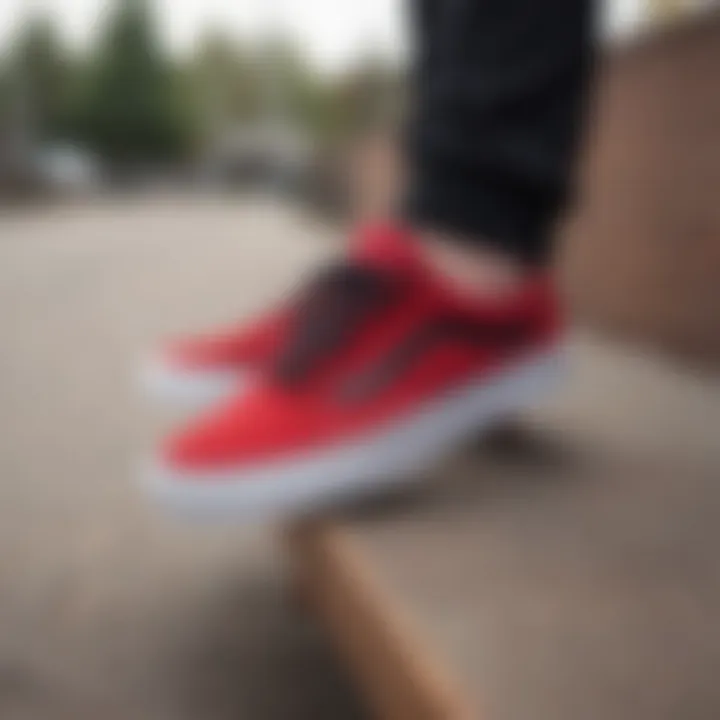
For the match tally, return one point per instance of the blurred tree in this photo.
(238, 85)
(223, 84)
(5, 91)
(133, 111)
(665, 10)
(6, 122)
(38, 80)
(329, 108)
(340, 108)
(287, 81)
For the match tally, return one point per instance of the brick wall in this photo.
(642, 256)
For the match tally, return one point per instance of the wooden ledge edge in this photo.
(401, 678)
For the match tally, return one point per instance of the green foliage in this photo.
(39, 79)
(132, 111)
(133, 105)
(222, 87)
(5, 93)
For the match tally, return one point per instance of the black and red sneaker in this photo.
(384, 368)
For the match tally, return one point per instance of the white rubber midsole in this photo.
(192, 388)
(386, 459)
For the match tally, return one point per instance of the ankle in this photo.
(473, 270)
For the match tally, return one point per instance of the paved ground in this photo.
(573, 574)
(107, 609)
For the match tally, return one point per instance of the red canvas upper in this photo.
(419, 341)
(252, 344)
(248, 345)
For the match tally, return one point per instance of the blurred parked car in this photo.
(67, 169)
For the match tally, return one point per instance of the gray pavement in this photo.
(108, 609)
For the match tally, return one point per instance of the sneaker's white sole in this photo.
(389, 458)
(193, 389)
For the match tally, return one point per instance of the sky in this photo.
(333, 31)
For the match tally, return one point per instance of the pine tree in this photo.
(39, 69)
(132, 113)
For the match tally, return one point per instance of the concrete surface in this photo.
(573, 574)
(107, 609)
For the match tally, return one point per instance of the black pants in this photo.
(500, 88)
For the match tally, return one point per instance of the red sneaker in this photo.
(384, 368)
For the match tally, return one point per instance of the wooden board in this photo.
(401, 676)
(575, 575)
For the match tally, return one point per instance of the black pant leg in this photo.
(500, 89)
